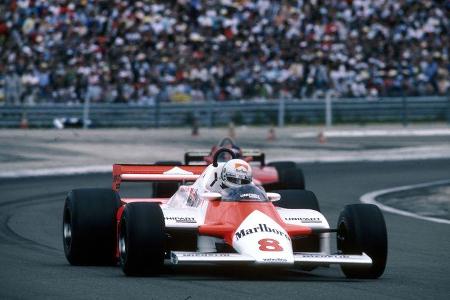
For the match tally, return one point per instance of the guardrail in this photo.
(276, 112)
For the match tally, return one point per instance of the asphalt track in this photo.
(32, 263)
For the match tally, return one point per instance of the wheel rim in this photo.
(67, 228)
(123, 242)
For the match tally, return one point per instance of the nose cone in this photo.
(264, 239)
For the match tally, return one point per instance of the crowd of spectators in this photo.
(193, 50)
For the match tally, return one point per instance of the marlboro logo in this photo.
(260, 228)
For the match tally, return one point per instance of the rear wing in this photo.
(128, 172)
(200, 156)
(196, 156)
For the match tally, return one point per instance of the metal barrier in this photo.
(270, 112)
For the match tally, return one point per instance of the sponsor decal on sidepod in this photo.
(181, 219)
(304, 220)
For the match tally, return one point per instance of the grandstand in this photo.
(143, 52)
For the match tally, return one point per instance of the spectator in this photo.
(190, 50)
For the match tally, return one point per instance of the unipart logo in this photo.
(305, 220)
(260, 228)
(181, 219)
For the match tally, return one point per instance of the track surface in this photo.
(32, 263)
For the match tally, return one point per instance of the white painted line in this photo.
(376, 133)
(317, 156)
(397, 154)
(56, 171)
(369, 198)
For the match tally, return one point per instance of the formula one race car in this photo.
(218, 215)
(273, 176)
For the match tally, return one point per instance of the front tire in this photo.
(89, 226)
(361, 228)
(142, 239)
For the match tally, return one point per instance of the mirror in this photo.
(273, 196)
(212, 196)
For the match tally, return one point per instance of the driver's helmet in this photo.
(235, 172)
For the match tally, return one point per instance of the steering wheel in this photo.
(220, 151)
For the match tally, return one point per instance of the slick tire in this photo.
(165, 189)
(89, 226)
(301, 199)
(142, 239)
(289, 175)
(297, 199)
(361, 228)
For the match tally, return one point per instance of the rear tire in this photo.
(89, 226)
(289, 176)
(301, 199)
(165, 189)
(283, 164)
(142, 239)
(361, 228)
(297, 199)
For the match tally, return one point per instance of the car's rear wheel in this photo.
(289, 175)
(361, 228)
(89, 226)
(297, 199)
(142, 239)
(301, 199)
(165, 189)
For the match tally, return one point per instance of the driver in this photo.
(233, 173)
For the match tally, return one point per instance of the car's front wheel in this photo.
(361, 228)
(142, 239)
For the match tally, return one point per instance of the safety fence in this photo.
(276, 112)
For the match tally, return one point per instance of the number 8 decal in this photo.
(269, 245)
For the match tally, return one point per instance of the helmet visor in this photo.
(238, 180)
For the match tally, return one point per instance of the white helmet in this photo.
(236, 172)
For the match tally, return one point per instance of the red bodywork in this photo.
(222, 218)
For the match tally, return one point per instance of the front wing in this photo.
(300, 258)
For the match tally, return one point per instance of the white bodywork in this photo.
(186, 210)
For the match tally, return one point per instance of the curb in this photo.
(370, 198)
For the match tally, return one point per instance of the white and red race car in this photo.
(240, 225)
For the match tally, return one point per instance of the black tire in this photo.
(289, 176)
(89, 226)
(142, 239)
(297, 199)
(165, 189)
(283, 164)
(361, 228)
(301, 199)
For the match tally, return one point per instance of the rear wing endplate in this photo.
(128, 172)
